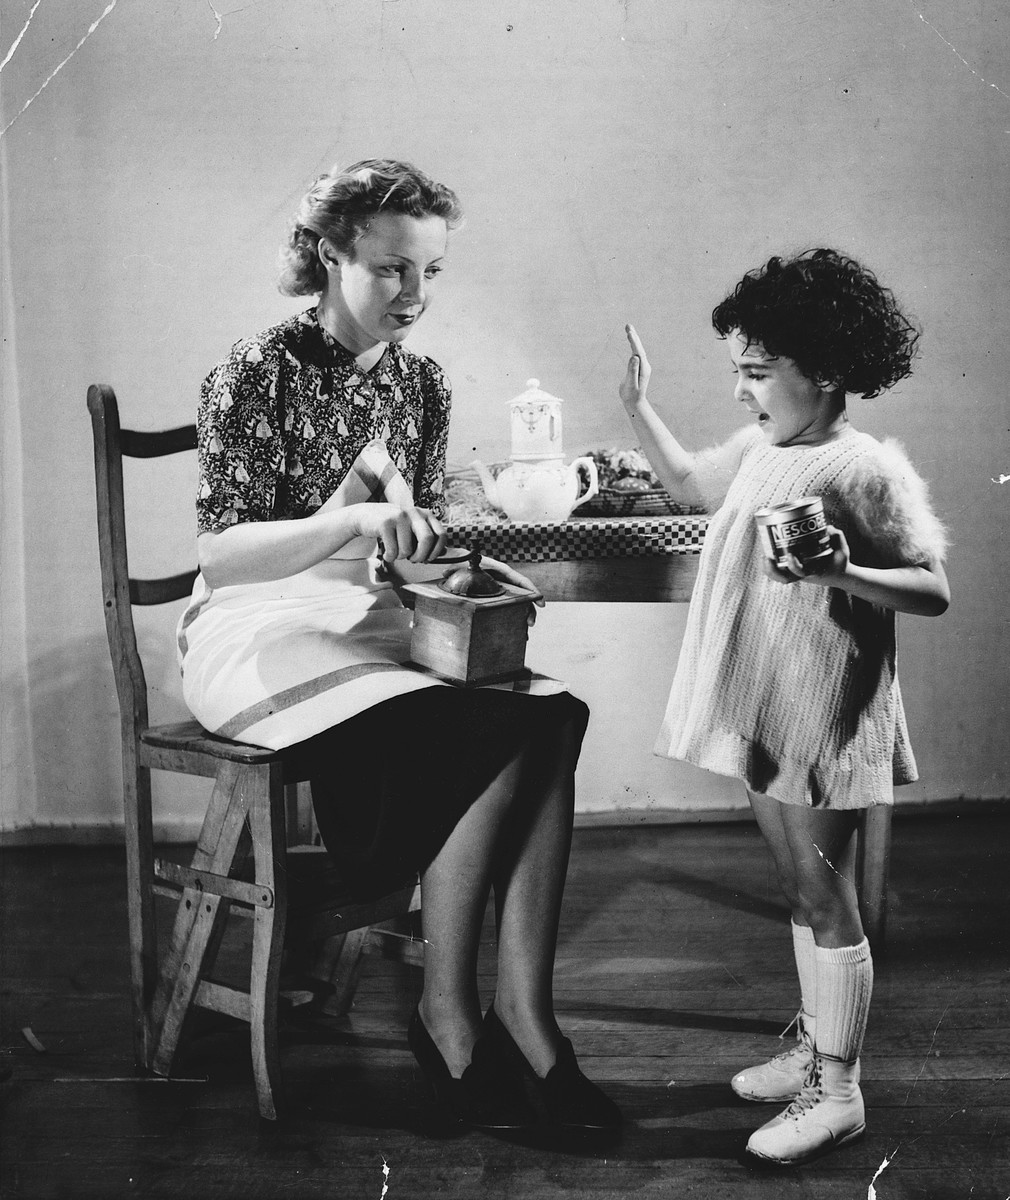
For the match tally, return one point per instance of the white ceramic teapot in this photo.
(538, 485)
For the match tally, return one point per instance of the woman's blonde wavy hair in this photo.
(342, 204)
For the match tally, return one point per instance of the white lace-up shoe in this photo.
(778, 1080)
(827, 1113)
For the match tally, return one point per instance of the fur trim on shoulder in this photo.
(889, 501)
(715, 467)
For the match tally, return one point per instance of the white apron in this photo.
(275, 663)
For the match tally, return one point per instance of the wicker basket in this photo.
(656, 502)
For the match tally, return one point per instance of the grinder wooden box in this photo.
(470, 640)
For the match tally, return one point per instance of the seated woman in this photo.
(320, 440)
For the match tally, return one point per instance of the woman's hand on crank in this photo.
(412, 533)
(826, 571)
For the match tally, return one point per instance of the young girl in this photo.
(786, 677)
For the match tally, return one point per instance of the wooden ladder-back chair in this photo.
(252, 809)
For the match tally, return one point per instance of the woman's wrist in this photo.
(346, 523)
(352, 521)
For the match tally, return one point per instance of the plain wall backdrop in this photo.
(619, 160)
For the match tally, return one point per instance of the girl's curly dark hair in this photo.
(827, 313)
(342, 204)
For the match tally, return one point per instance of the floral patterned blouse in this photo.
(283, 417)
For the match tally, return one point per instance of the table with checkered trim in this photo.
(652, 558)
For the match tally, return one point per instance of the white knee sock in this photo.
(844, 986)
(806, 967)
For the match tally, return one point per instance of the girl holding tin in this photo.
(786, 677)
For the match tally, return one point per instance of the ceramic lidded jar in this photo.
(537, 485)
(535, 424)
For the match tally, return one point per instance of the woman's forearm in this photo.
(257, 551)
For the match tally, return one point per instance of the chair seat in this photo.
(191, 736)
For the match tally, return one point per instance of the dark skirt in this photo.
(390, 784)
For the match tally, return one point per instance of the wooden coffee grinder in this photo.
(470, 628)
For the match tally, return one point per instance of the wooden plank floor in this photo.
(674, 971)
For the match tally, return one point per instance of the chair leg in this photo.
(140, 879)
(339, 963)
(266, 821)
(301, 818)
(872, 866)
(198, 917)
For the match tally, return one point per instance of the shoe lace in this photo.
(800, 1047)
(796, 1023)
(811, 1093)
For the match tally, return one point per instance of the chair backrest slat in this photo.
(161, 591)
(140, 444)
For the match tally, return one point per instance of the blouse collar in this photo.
(390, 357)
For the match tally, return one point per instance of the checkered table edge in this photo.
(587, 538)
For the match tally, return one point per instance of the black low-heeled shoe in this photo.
(489, 1095)
(569, 1100)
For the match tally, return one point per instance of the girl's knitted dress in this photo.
(792, 688)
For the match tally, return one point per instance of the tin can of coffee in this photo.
(799, 528)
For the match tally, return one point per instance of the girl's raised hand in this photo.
(636, 379)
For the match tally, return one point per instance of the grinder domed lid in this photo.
(470, 579)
